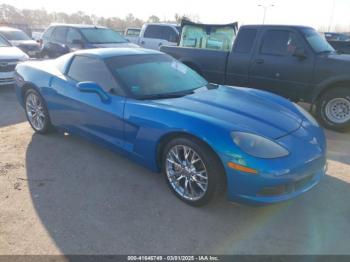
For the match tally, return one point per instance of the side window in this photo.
(89, 69)
(59, 34)
(47, 33)
(153, 31)
(72, 35)
(245, 41)
(169, 34)
(280, 42)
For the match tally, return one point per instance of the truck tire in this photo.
(333, 109)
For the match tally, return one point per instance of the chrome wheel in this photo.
(186, 172)
(338, 110)
(35, 111)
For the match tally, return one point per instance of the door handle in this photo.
(259, 61)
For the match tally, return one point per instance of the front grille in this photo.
(6, 80)
(287, 188)
(8, 65)
(7, 68)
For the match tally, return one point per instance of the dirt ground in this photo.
(62, 195)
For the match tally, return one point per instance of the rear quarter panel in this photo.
(30, 75)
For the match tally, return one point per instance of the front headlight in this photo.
(24, 58)
(307, 115)
(258, 146)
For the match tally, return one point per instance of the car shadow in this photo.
(338, 146)
(10, 111)
(93, 201)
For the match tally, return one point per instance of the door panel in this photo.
(275, 69)
(86, 114)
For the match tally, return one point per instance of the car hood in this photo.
(241, 109)
(12, 52)
(24, 43)
(116, 45)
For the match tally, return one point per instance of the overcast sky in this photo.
(301, 12)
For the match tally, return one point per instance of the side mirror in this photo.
(300, 53)
(92, 87)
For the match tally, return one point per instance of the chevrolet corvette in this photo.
(204, 138)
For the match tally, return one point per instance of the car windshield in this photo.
(318, 43)
(147, 76)
(3, 42)
(102, 36)
(15, 35)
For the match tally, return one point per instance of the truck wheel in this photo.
(333, 109)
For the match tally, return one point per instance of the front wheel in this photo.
(192, 171)
(36, 112)
(333, 109)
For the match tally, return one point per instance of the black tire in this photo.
(323, 105)
(215, 172)
(47, 126)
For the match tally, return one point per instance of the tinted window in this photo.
(317, 42)
(47, 33)
(245, 41)
(59, 34)
(89, 69)
(169, 34)
(102, 36)
(72, 35)
(153, 31)
(280, 42)
(148, 75)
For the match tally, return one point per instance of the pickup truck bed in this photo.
(292, 61)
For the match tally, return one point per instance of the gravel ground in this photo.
(62, 195)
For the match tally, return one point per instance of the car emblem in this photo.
(314, 141)
(3, 64)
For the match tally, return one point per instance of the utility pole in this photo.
(331, 17)
(265, 7)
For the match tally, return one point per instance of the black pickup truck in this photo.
(292, 61)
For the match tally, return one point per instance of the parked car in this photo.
(20, 39)
(292, 61)
(154, 35)
(336, 36)
(203, 137)
(10, 56)
(340, 42)
(64, 38)
(132, 34)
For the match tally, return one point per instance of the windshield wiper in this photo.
(164, 96)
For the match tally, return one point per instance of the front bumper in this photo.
(284, 178)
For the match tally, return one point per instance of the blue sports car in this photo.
(205, 138)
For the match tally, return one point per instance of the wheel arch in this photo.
(25, 87)
(330, 86)
(182, 134)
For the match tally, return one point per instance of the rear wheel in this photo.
(192, 171)
(36, 112)
(333, 109)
